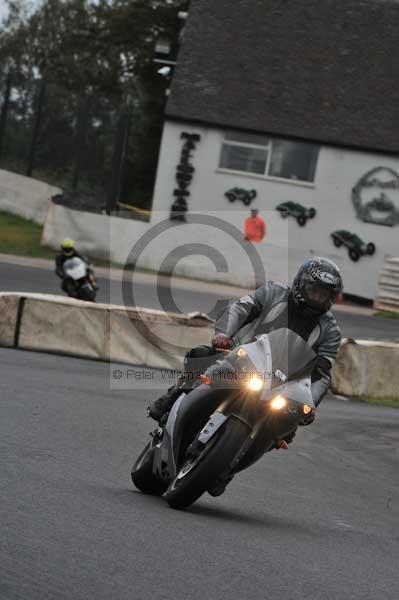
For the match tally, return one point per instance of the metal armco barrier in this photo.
(388, 286)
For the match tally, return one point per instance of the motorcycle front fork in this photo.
(255, 447)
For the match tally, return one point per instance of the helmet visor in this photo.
(319, 297)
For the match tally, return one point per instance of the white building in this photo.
(297, 102)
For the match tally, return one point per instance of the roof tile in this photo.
(325, 70)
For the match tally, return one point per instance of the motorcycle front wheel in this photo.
(70, 289)
(88, 293)
(198, 473)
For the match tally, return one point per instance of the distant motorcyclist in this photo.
(304, 308)
(66, 252)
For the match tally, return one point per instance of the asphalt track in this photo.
(318, 521)
(32, 279)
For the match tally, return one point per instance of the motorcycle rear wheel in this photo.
(142, 475)
(197, 474)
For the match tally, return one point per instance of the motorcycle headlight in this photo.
(255, 384)
(307, 409)
(278, 403)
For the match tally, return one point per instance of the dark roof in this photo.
(324, 70)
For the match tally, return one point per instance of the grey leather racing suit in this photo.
(271, 307)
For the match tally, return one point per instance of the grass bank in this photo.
(392, 402)
(22, 237)
(386, 314)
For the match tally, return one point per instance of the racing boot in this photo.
(218, 487)
(161, 406)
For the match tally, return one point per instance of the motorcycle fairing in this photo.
(75, 268)
(187, 417)
(281, 350)
(167, 454)
(298, 390)
(212, 426)
(278, 357)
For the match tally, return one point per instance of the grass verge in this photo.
(386, 314)
(389, 401)
(22, 237)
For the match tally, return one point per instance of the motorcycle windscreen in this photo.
(75, 268)
(292, 356)
(280, 356)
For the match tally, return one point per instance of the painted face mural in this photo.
(376, 197)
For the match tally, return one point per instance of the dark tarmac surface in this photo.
(37, 280)
(317, 521)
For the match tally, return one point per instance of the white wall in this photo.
(286, 244)
(25, 196)
(92, 232)
(337, 173)
(101, 236)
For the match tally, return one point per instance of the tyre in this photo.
(354, 254)
(142, 475)
(231, 197)
(71, 289)
(86, 292)
(370, 249)
(301, 220)
(247, 200)
(197, 474)
(312, 213)
(337, 242)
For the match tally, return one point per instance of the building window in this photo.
(269, 157)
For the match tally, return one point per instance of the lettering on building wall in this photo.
(375, 197)
(184, 175)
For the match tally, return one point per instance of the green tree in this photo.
(101, 53)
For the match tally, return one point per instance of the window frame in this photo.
(269, 150)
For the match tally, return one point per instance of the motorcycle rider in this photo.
(68, 251)
(304, 308)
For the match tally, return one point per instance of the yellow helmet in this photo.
(67, 246)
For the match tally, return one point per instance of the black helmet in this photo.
(317, 284)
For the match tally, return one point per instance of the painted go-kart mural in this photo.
(356, 246)
(296, 210)
(245, 196)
